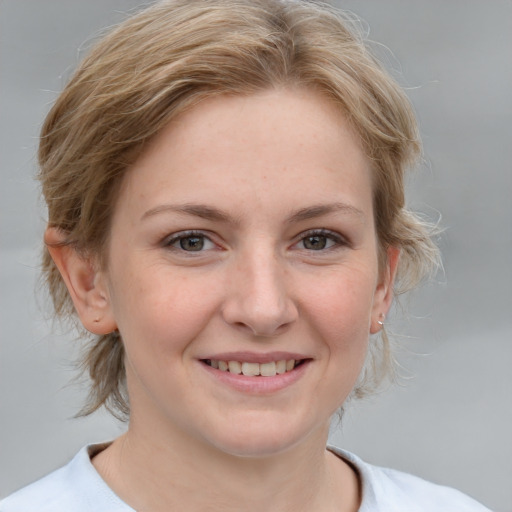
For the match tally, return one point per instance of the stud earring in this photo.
(382, 317)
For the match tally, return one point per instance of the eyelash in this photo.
(337, 240)
(183, 235)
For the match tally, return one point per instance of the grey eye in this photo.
(189, 241)
(315, 242)
(192, 243)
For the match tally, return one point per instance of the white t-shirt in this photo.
(78, 487)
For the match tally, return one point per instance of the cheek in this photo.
(159, 312)
(347, 289)
(341, 311)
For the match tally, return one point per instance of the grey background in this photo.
(450, 418)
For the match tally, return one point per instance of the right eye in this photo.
(190, 242)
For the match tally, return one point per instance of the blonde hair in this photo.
(168, 58)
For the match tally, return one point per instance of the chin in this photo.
(255, 448)
(266, 438)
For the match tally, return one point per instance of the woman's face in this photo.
(244, 238)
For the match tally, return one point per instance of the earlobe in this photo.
(384, 291)
(85, 283)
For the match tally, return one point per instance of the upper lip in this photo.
(254, 357)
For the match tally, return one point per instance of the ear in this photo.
(383, 296)
(86, 284)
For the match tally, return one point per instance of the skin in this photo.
(283, 211)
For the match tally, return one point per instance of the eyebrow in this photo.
(196, 210)
(210, 213)
(314, 211)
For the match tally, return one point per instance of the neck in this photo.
(157, 473)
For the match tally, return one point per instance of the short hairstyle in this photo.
(168, 58)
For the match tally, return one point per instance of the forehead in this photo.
(278, 145)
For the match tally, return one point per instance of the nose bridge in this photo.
(260, 296)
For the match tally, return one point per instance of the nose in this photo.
(259, 298)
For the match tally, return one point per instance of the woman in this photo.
(224, 182)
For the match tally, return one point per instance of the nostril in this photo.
(262, 306)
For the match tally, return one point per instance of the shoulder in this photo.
(75, 487)
(388, 490)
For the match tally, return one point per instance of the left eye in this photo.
(320, 241)
(190, 242)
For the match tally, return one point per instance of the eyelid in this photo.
(169, 240)
(339, 239)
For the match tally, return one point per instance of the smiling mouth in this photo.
(270, 369)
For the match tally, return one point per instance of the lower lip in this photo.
(257, 385)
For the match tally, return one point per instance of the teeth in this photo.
(235, 367)
(268, 369)
(280, 367)
(251, 369)
(254, 369)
